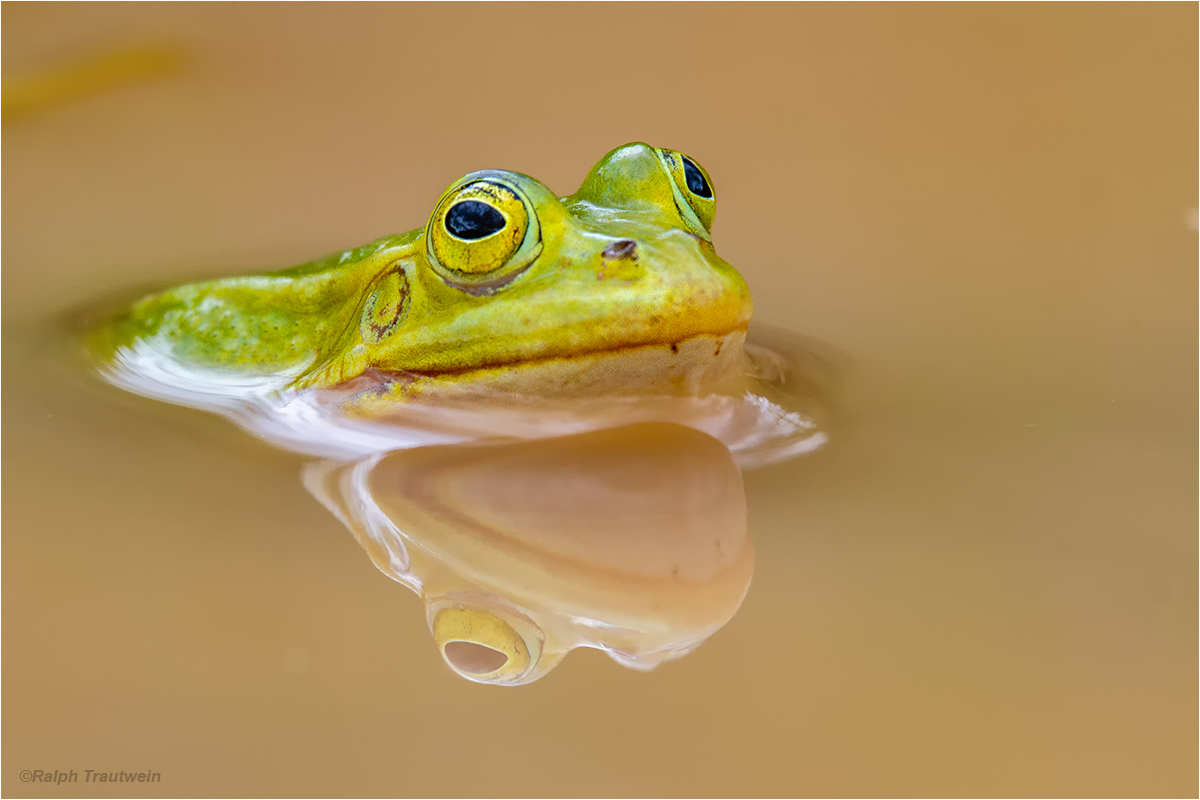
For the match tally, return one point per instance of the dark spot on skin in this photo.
(674, 347)
(371, 381)
(717, 352)
(625, 248)
(374, 379)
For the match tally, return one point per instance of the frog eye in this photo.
(483, 647)
(482, 235)
(693, 191)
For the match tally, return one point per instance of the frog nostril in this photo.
(625, 248)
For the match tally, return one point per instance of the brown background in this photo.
(986, 585)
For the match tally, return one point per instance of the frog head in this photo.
(508, 289)
(617, 285)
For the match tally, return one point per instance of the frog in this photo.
(508, 289)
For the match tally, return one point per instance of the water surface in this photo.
(985, 584)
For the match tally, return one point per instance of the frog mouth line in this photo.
(379, 375)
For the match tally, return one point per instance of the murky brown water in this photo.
(986, 584)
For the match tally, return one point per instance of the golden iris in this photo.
(477, 229)
(693, 191)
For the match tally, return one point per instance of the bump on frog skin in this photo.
(625, 248)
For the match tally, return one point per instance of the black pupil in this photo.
(695, 179)
(472, 219)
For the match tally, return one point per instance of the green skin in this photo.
(569, 288)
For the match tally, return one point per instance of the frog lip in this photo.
(407, 375)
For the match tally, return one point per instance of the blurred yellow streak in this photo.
(87, 76)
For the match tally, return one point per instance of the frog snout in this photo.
(624, 248)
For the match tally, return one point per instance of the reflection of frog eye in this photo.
(693, 191)
(482, 234)
(483, 647)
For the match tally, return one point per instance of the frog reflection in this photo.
(631, 540)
